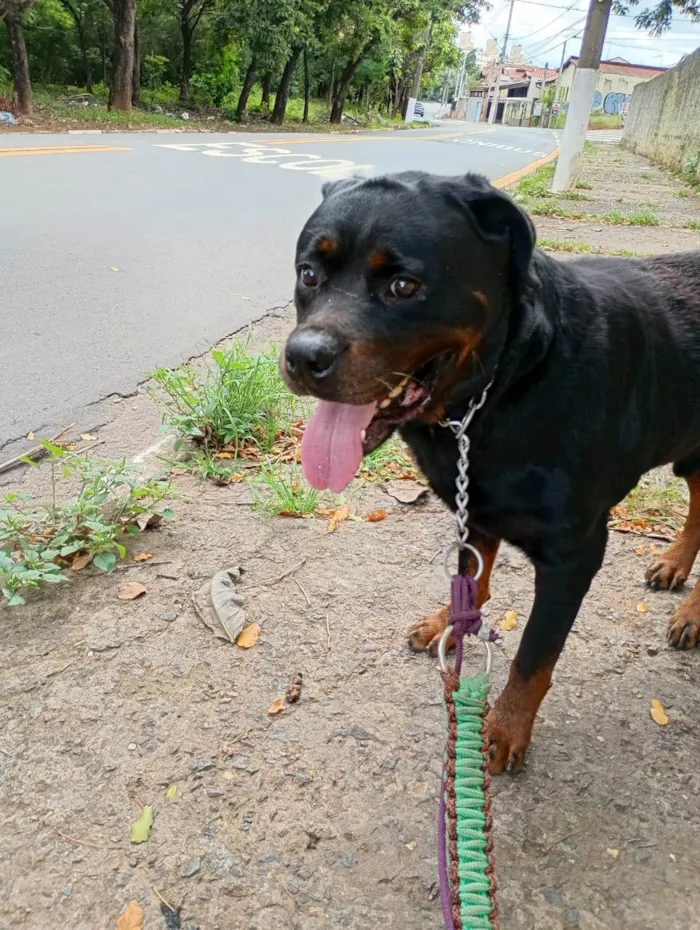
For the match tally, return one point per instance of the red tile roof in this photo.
(618, 67)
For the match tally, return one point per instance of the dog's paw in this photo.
(684, 625)
(426, 633)
(668, 573)
(507, 738)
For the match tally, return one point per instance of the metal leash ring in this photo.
(474, 551)
(442, 652)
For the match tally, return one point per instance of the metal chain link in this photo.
(459, 428)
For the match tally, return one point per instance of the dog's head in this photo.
(401, 281)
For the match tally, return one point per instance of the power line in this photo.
(529, 35)
(534, 49)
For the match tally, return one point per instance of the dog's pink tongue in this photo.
(331, 449)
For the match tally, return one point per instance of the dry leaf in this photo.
(141, 828)
(655, 550)
(143, 557)
(614, 853)
(87, 436)
(640, 550)
(376, 516)
(406, 491)
(113, 268)
(131, 590)
(294, 692)
(132, 918)
(658, 713)
(81, 561)
(276, 707)
(642, 607)
(224, 455)
(340, 515)
(249, 636)
(219, 606)
(30, 435)
(509, 621)
(171, 792)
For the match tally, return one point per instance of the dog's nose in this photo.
(312, 354)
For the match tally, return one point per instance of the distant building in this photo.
(617, 78)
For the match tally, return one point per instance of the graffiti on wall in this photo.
(614, 104)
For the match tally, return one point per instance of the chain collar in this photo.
(460, 429)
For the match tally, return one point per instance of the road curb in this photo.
(509, 179)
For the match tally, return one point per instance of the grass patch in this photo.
(604, 121)
(583, 248)
(692, 224)
(682, 193)
(536, 184)
(652, 507)
(38, 541)
(550, 208)
(289, 493)
(390, 460)
(573, 195)
(583, 186)
(590, 148)
(238, 405)
(614, 218)
(643, 218)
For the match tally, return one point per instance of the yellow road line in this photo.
(63, 150)
(339, 137)
(515, 176)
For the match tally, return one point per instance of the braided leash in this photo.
(465, 852)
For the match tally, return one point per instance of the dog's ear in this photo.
(499, 219)
(336, 187)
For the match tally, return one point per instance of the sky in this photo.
(541, 26)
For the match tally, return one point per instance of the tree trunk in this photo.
(266, 83)
(284, 88)
(307, 88)
(248, 82)
(20, 64)
(187, 36)
(136, 73)
(331, 87)
(345, 79)
(123, 60)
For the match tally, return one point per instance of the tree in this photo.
(122, 85)
(285, 86)
(82, 13)
(14, 12)
(190, 15)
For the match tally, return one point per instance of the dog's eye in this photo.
(404, 287)
(307, 276)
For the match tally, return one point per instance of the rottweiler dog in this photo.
(414, 292)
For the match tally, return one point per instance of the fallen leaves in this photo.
(171, 792)
(146, 521)
(87, 437)
(376, 516)
(143, 557)
(249, 636)
(613, 852)
(658, 713)
(132, 918)
(131, 590)
(219, 605)
(406, 491)
(509, 621)
(141, 828)
(338, 517)
(80, 562)
(642, 607)
(276, 707)
(294, 692)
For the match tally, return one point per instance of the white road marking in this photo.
(500, 145)
(254, 153)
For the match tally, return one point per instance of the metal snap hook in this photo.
(474, 551)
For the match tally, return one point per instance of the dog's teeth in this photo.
(385, 403)
(363, 435)
(394, 392)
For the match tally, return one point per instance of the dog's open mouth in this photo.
(339, 435)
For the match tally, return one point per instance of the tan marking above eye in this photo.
(379, 259)
(326, 245)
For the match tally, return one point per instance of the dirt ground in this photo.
(628, 184)
(325, 816)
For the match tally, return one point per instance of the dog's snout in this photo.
(311, 354)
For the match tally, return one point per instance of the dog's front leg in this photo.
(561, 583)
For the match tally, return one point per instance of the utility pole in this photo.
(497, 86)
(582, 92)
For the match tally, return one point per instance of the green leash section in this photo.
(473, 805)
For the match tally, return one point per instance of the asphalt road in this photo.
(122, 252)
